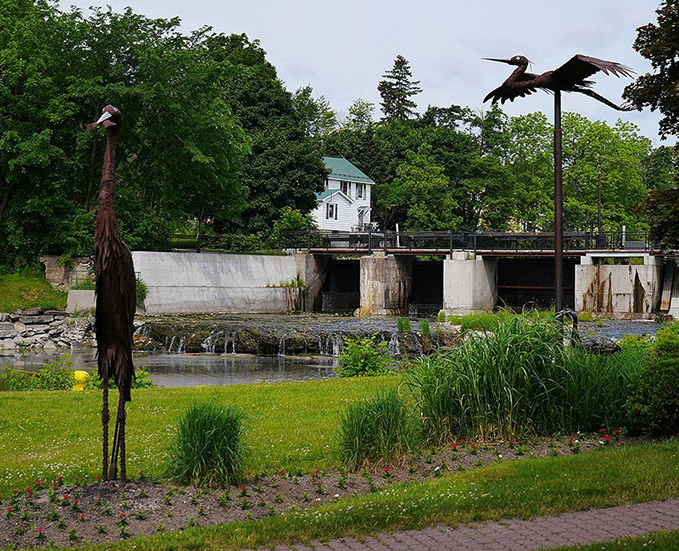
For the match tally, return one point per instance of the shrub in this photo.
(364, 356)
(424, 329)
(654, 405)
(380, 428)
(207, 447)
(441, 318)
(56, 375)
(141, 379)
(403, 325)
(141, 290)
(521, 379)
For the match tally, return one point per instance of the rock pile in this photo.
(46, 329)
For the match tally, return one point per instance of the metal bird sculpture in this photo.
(570, 77)
(115, 300)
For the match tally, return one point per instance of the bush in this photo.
(141, 380)
(54, 376)
(521, 379)
(654, 405)
(377, 429)
(207, 447)
(425, 329)
(403, 325)
(364, 356)
(141, 290)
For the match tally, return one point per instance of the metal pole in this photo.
(558, 206)
(600, 199)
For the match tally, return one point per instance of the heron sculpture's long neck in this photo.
(107, 186)
(520, 70)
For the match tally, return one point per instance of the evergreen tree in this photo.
(397, 90)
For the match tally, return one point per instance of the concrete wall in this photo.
(386, 283)
(619, 291)
(212, 283)
(469, 283)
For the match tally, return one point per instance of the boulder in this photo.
(38, 318)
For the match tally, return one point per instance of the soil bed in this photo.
(56, 513)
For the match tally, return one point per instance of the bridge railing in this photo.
(470, 241)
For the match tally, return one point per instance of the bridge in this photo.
(445, 243)
(615, 273)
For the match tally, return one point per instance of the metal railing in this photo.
(469, 241)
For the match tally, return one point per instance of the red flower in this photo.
(82, 516)
(40, 530)
(242, 488)
(454, 445)
(122, 515)
(9, 509)
(616, 431)
(37, 482)
(572, 439)
(28, 490)
(461, 440)
(606, 437)
(602, 430)
(512, 442)
(386, 469)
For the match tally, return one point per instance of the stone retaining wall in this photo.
(46, 329)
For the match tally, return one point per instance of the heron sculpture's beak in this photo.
(507, 61)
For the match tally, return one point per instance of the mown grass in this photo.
(520, 489)
(288, 426)
(28, 290)
(655, 541)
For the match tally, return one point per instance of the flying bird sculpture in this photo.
(115, 300)
(570, 77)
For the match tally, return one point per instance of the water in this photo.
(175, 370)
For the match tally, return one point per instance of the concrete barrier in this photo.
(213, 283)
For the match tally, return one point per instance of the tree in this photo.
(659, 90)
(662, 209)
(360, 115)
(284, 167)
(317, 116)
(397, 90)
(422, 190)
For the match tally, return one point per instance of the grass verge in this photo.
(288, 426)
(26, 290)
(520, 489)
(657, 541)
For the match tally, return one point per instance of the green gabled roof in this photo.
(341, 169)
(326, 193)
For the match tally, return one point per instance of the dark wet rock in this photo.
(598, 344)
(34, 319)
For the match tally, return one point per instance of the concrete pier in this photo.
(386, 283)
(469, 283)
(627, 291)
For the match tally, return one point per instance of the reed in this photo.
(380, 428)
(520, 379)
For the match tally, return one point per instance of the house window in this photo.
(359, 191)
(331, 211)
(344, 186)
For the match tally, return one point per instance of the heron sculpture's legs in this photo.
(119, 442)
(104, 424)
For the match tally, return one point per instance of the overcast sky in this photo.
(342, 48)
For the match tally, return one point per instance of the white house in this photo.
(344, 205)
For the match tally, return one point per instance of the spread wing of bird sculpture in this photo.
(115, 299)
(570, 77)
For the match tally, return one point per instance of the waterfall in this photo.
(210, 343)
(394, 347)
(281, 346)
(169, 348)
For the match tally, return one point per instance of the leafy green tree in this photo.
(360, 115)
(662, 209)
(318, 117)
(658, 42)
(396, 91)
(422, 188)
(284, 167)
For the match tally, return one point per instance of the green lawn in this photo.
(659, 541)
(292, 426)
(29, 291)
(289, 426)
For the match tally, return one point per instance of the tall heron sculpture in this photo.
(115, 301)
(570, 77)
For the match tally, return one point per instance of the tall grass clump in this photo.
(208, 445)
(520, 379)
(380, 428)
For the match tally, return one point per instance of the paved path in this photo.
(515, 535)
